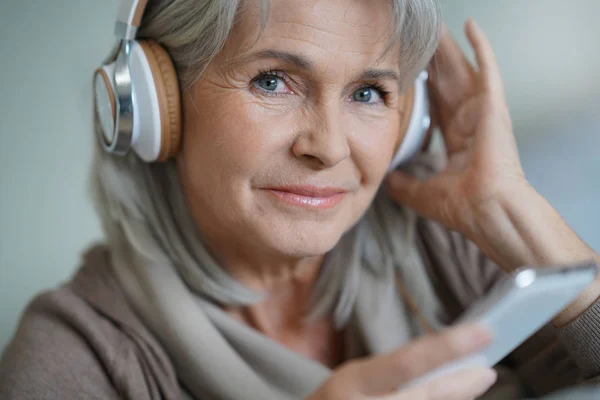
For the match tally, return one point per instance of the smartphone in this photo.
(525, 301)
(517, 307)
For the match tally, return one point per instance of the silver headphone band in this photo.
(129, 18)
(124, 102)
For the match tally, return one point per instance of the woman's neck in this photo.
(282, 317)
(288, 285)
(262, 269)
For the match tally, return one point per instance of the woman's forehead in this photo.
(356, 30)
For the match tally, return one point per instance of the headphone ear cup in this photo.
(418, 126)
(157, 97)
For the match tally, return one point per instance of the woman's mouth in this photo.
(309, 196)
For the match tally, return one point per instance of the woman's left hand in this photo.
(470, 108)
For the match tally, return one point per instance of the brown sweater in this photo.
(83, 340)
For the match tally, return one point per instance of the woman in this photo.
(263, 260)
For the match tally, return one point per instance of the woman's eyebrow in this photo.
(297, 60)
(379, 74)
(301, 62)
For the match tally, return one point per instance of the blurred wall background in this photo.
(548, 51)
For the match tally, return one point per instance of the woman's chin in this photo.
(301, 243)
(297, 232)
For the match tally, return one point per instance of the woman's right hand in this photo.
(380, 377)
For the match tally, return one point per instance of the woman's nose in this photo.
(325, 143)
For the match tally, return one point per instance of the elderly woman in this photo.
(263, 259)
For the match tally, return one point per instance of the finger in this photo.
(450, 73)
(462, 385)
(385, 373)
(451, 57)
(486, 59)
(463, 125)
(423, 196)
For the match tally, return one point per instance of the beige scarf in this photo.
(218, 357)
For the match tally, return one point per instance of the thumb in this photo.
(412, 192)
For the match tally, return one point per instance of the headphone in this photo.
(138, 106)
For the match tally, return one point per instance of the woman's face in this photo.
(287, 138)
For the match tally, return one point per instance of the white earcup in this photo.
(146, 140)
(146, 133)
(418, 125)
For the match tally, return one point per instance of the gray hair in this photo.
(142, 207)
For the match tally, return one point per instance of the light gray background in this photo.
(549, 52)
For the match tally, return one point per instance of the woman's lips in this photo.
(309, 196)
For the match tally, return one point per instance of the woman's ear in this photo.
(405, 108)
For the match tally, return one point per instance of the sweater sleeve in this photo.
(549, 360)
(582, 339)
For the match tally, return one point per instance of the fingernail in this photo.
(476, 336)
(483, 335)
(490, 376)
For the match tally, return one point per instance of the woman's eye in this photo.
(270, 83)
(367, 95)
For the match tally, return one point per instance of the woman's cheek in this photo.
(374, 141)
